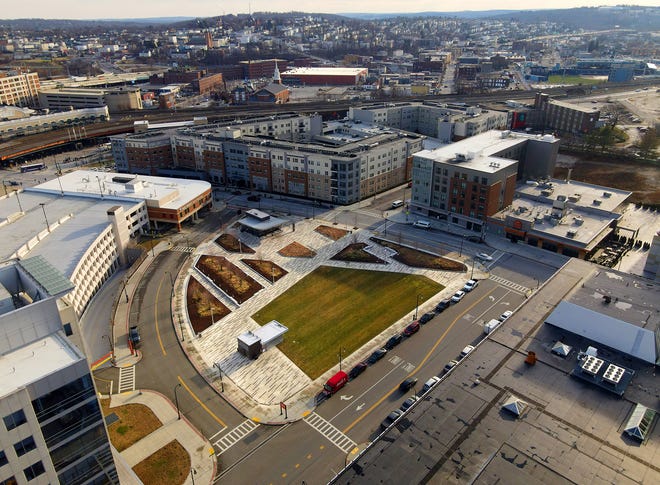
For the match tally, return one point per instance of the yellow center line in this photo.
(160, 341)
(199, 401)
(419, 366)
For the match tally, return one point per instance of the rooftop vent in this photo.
(597, 201)
(571, 233)
(592, 365)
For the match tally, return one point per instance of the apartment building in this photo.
(53, 430)
(337, 162)
(468, 181)
(20, 90)
(447, 122)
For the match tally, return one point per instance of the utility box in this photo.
(490, 326)
(252, 344)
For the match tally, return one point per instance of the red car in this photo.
(412, 328)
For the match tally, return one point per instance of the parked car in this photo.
(393, 341)
(430, 383)
(426, 318)
(393, 416)
(422, 224)
(474, 239)
(505, 315)
(358, 369)
(484, 257)
(253, 198)
(470, 285)
(458, 296)
(376, 356)
(412, 328)
(408, 384)
(450, 365)
(466, 350)
(408, 402)
(134, 336)
(397, 203)
(440, 307)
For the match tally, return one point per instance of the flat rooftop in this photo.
(576, 107)
(485, 145)
(161, 192)
(324, 71)
(27, 364)
(570, 432)
(65, 245)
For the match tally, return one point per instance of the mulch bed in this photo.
(228, 277)
(135, 422)
(170, 464)
(265, 268)
(230, 243)
(355, 253)
(200, 302)
(333, 233)
(419, 259)
(296, 250)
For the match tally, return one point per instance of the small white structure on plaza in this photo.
(252, 344)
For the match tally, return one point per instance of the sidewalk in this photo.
(202, 459)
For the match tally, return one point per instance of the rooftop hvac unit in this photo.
(571, 233)
(574, 198)
(578, 221)
(546, 192)
(592, 365)
(607, 194)
(613, 373)
(597, 201)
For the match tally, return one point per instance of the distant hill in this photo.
(47, 24)
(592, 18)
(467, 14)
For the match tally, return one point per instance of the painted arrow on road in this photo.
(360, 406)
(345, 398)
(491, 297)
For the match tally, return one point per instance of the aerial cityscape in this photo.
(376, 243)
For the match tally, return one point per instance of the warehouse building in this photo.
(324, 76)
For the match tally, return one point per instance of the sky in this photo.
(100, 9)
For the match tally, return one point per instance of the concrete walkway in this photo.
(202, 459)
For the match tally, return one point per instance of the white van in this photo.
(397, 203)
(422, 224)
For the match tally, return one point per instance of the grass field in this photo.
(333, 307)
(558, 79)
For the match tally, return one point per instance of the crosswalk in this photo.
(182, 249)
(509, 284)
(126, 379)
(336, 437)
(229, 439)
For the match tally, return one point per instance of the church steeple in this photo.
(276, 75)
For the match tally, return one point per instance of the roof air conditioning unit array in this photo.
(592, 365)
(613, 373)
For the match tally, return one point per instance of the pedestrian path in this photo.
(509, 284)
(336, 437)
(235, 435)
(182, 249)
(126, 379)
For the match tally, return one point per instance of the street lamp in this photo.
(42, 204)
(112, 350)
(460, 252)
(20, 207)
(171, 283)
(193, 472)
(222, 384)
(417, 306)
(340, 352)
(176, 401)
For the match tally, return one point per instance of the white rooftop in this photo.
(31, 362)
(585, 194)
(325, 71)
(159, 192)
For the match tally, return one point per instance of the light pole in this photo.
(340, 352)
(171, 283)
(112, 349)
(42, 204)
(193, 472)
(20, 207)
(176, 401)
(222, 384)
(417, 306)
(460, 252)
(472, 272)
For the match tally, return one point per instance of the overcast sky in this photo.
(104, 9)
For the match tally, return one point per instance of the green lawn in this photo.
(559, 79)
(333, 307)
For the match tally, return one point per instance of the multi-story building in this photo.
(339, 162)
(116, 99)
(332, 76)
(446, 122)
(20, 90)
(564, 117)
(53, 430)
(262, 68)
(468, 181)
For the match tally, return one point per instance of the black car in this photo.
(443, 305)
(474, 239)
(408, 402)
(426, 318)
(134, 336)
(412, 328)
(359, 368)
(393, 341)
(393, 416)
(408, 384)
(376, 356)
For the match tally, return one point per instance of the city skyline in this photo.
(79, 9)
